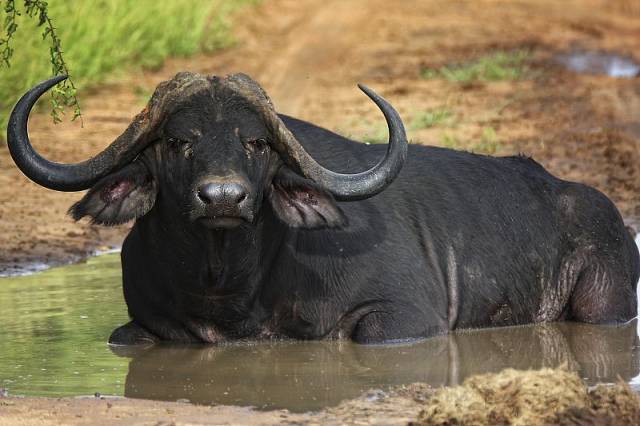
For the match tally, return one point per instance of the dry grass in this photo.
(544, 397)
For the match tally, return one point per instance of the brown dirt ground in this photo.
(309, 56)
(398, 407)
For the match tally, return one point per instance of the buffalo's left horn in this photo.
(347, 187)
(65, 177)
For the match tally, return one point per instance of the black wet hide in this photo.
(457, 241)
(300, 203)
(119, 197)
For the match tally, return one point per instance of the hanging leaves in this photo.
(64, 94)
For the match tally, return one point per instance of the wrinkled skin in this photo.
(230, 243)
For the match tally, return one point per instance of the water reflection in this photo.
(54, 327)
(311, 375)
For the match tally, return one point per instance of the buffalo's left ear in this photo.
(119, 197)
(300, 203)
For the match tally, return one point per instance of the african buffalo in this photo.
(241, 234)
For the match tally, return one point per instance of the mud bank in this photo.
(398, 407)
(508, 398)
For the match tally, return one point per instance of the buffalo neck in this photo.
(209, 261)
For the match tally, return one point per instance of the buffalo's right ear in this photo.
(300, 203)
(117, 198)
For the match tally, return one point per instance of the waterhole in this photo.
(54, 326)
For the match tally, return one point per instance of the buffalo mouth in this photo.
(221, 222)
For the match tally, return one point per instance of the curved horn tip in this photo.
(366, 90)
(54, 80)
(387, 109)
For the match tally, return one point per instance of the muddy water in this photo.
(54, 325)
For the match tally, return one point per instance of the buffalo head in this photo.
(210, 151)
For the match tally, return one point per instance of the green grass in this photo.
(365, 131)
(488, 144)
(431, 118)
(102, 39)
(377, 132)
(376, 135)
(499, 66)
(450, 141)
(488, 141)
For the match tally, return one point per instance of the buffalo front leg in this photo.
(395, 326)
(132, 334)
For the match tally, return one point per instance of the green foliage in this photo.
(102, 39)
(431, 118)
(498, 66)
(65, 93)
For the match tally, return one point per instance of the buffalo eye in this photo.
(183, 145)
(258, 146)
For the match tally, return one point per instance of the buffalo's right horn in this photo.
(345, 186)
(67, 177)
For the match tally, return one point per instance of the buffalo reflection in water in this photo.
(302, 376)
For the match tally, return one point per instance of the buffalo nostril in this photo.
(235, 192)
(202, 195)
(222, 193)
(210, 193)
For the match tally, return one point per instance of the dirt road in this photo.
(310, 55)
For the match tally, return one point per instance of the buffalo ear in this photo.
(119, 197)
(301, 203)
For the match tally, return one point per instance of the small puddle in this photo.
(600, 62)
(55, 325)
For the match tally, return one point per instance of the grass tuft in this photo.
(375, 137)
(499, 66)
(488, 144)
(450, 141)
(431, 118)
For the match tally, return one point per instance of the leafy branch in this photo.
(64, 94)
